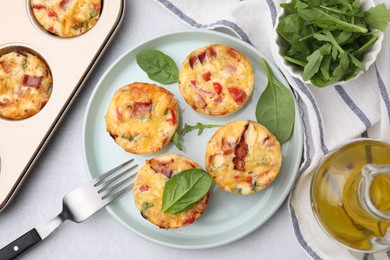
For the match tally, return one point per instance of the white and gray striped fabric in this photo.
(331, 116)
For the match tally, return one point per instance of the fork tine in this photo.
(105, 175)
(107, 190)
(111, 197)
(106, 183)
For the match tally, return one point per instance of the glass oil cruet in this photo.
(350, 195)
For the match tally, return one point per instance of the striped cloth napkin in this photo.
(331, 116)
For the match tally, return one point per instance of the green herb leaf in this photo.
(377, 17)
(188, 128)
(275, 109)
(328, 22)
(184, 189)
(159, 66)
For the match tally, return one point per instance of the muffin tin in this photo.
(70, 61)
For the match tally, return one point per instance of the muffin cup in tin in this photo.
(70, 61)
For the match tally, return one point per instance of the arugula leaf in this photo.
(184, 189)
(314, 61)
(312, 25)
(188, 128)
(377, 17)
(159, 66)
(328, 22)
(275, 109)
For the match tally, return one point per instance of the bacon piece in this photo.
(217, 87)
(32, 81)
(6, 102)
(240, 151)
(63, 4)
(231, 68)
(233, 53)
(144, 187)
(51, 29)
(227, 148)
(201, 90)
(265, 140)
(239, 96)
(5, 66)
(199, 101)
(162, 166)
(212, 52)
(38, 7)
(218, 99)
(118, 114)
(206, 76)
(142, 109)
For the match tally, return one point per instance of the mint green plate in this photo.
(228, 217)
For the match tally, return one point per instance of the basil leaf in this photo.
(275, 109)
(184, 189)
(159, 66)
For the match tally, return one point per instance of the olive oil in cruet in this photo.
(338, 200)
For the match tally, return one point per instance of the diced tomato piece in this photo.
(52, 13)
(38, 7)
(144, 187)
(172, 120)
(193, 59)
(239, 96)
(217, 87)
(32, 81)
(249, 179)
(202, 57)
(51, 29)
(236, 177)
(206, 76)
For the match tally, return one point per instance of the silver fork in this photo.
(77, 206)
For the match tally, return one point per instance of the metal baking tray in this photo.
(70, 61)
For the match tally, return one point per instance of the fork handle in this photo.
(20, 245)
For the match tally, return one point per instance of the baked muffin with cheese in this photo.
(243, 157)
(25, 84)
(149, 186)
(66, 18)
(216, 80)
(142, 117)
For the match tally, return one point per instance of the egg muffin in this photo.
(243, 157)
(216, 80)
(142, 117)
(66, 18)
(149, 186)
(25, 84)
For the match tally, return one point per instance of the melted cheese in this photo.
(18, 100)
(148, 131)
(148, 190)
(66, 18)
(209, 74)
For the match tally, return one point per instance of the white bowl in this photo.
(280, 45)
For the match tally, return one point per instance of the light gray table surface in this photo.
(61, 168)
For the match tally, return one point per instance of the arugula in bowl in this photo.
(328, 39)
